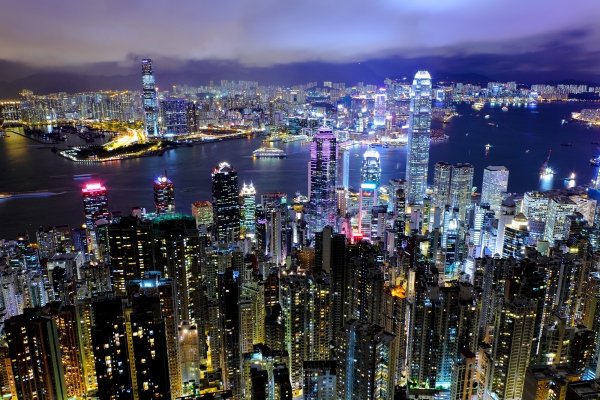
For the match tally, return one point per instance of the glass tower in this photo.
(419, 132)
(323, 152)
(226, 206)
(370, 177)
(150, 101)
(164, 195)
(248, 200)
(95, 204)
(494, 186)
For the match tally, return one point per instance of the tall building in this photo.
(494, 186)
(149, 99)
(248, 200)
(442, 172)
(174, 114)
(557, 220)
(380, 108)
(365, 367)
(323, 156)
(164, 195)
(461, 187)
(319, 380)
(35, 356)
(370, 177)
(419, 132)
(95, 204)
(226, 206)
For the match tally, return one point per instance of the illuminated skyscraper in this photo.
(419, 132)
(494, 186)
(461, 186)
(370, 178)
(95, 204)
(248, 199)
(442, 172)
(323, 155)
(164, 195)
(150, 101)
(174, 116)
(226, 206)
(380, 108)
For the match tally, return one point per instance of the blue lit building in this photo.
(419, 132)
(370, 175)
(323, 155)
(174, 113)
(150, 101)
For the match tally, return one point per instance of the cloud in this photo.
(58, 33)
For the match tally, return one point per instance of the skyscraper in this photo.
(461, 186)
(248, 200)
(226, 206)
(442, 172)
(419, 131)
(95, 203)
(370, 177)
(149, 99)
(164, 195)
(323, 155)
(174, 114)
(380, 108)
(494, 186)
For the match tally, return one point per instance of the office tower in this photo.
(174, 114)
(341, 201)
(226, 207)
(338, 277)
(516, 237)
(320, 381)
(461, 187)
(164, 195)
(364, 365)
(323, 156)
(494, 186)
(277, 225)
(149, 99)
(203, 212)
(230, 330)
(95, 204)
(370, 178)
(419, 132)
(248, 200)
(463, 377)
(379, 108)
(130, 246)
(35, 356)
(442, 172)
(513, 336)
(451, 243)
(344, 168)
(557, 221)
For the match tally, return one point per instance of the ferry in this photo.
(570, 178)
(268, 152)
(487, 116)
(504, 108)
(478, 106)
(545, 171)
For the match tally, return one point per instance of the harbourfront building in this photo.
(150, 101)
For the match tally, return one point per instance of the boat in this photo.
(569, 144)
(570, 178)
(595, 162)
(504, 108)
(545, 170)
(488, 147)
(564, 121)
(487, 116)
(491, 124)
(269, 152)
(478, 105)
(5, 196)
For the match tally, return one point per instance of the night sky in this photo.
(47, 45)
